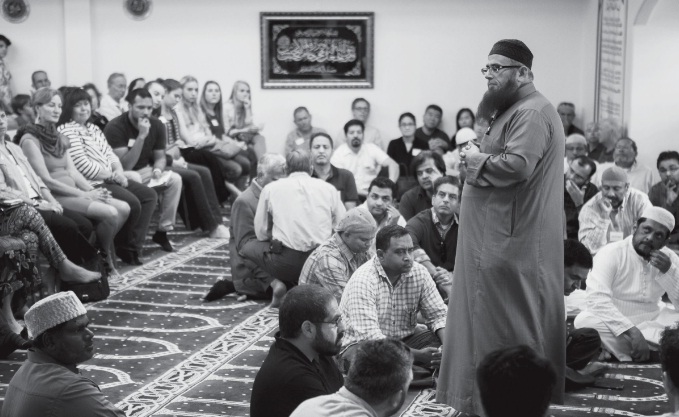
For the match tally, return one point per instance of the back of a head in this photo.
(268, 162)
(379, 369)
(515, 381)
(302, 303)
(575, 253)
(669, 355)
(298, 161)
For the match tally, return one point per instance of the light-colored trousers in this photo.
(168, 197)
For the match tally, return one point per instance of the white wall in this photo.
(427, 51)
(654, 92)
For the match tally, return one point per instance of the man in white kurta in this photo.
(625, 285)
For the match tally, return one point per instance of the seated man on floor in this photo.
(364, 160)
(611, 214)
(577, 191)
(300, 363)
(426, 167)
(576, 145)
(625, 156)
(139, 141)
(627, 281)
(664, 194)
(515, 381)
(430, 132)
(295, 215)
(434, 232)
(384, 297)
(360, 110)
(49, 383)
(321, 146)
(376, 384)
(601, 139)
(299, 138)
(248, 278)
(380, 203)
(669, 362)
(567, 114)
(332, 264)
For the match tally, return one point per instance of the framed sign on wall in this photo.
(317, 50)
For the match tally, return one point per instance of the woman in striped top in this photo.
(95, 160)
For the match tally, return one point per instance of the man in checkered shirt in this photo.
(384, 296)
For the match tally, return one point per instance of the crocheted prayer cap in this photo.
(576, 138)
(358, 219)
(614, 173)
(659, 215)
(513, 49)
(51, 311)
(464, 135)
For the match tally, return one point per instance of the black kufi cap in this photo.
(513, 49)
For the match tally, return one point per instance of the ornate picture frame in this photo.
(317, 50)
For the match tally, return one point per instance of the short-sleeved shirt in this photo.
(120, 131)
(364, 164)
(344, 181)
(403, 156)
(298, 140)
(287, 378)
(436, 134)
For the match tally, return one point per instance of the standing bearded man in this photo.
(508, 278)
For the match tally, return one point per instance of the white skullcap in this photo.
(660, 215)
(51, 311)
(464, 135)
(576, 138)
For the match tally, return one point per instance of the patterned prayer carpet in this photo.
(642, 394)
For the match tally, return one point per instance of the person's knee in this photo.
(174, 182)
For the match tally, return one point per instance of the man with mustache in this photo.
(508, 279)
(49, 383)
(627, 281)
(610, 215)
(384, 297)
(625, 156)
(300, 363)
(577, 191)
(664, 194)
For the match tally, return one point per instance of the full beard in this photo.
(495, 102)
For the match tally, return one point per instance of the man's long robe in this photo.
(508, 278)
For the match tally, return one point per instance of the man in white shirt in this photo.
(360, 110)
(610, 215)
(299, 138)
(296, 214)
(625, 285)
(364, 160)
(112, 104)
(625, 157)
(39, 79)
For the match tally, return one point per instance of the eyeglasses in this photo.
(335, 322)
(494, 69)
(670, 170)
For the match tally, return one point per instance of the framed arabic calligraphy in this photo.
(317, 50)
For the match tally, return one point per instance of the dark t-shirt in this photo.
(344, 181)
(398, 152)
(287, 378)
(120, 131)
(438, 133)
(216, 128)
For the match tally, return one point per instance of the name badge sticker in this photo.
(299, 141)
(615, 236)
(416, 151)
(130, 143)
(214, 122)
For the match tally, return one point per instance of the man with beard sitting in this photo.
(376, 385)
(300, 363)
(627, 281)
(665, 193)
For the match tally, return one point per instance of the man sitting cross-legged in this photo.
(626, 283)
(49, 383)
(515, 381)
(434, 232)
(427, 166)
(300, 363)
(625, 157)
(248, 278)
(376, 385)
(577, 191)
(321, 146)
(380, 203)
(299, 138)
(669, 361)
(665, 193)
(610, 215)
(385, 295)
(332, 264)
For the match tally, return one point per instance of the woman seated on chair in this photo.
(47, 152)
(95, 160)
(238, 118)
(198, 184)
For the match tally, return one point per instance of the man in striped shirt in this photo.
(385, 295)
(625, 285)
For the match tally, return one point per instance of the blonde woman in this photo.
(238, 119)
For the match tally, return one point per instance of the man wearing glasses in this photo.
(508, 279)
(360, 110)
(434, 232)
(300, 363)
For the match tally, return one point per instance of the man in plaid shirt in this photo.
(384, 296)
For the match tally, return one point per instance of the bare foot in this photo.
(279, 291)
(70, 272)
(220, 232)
